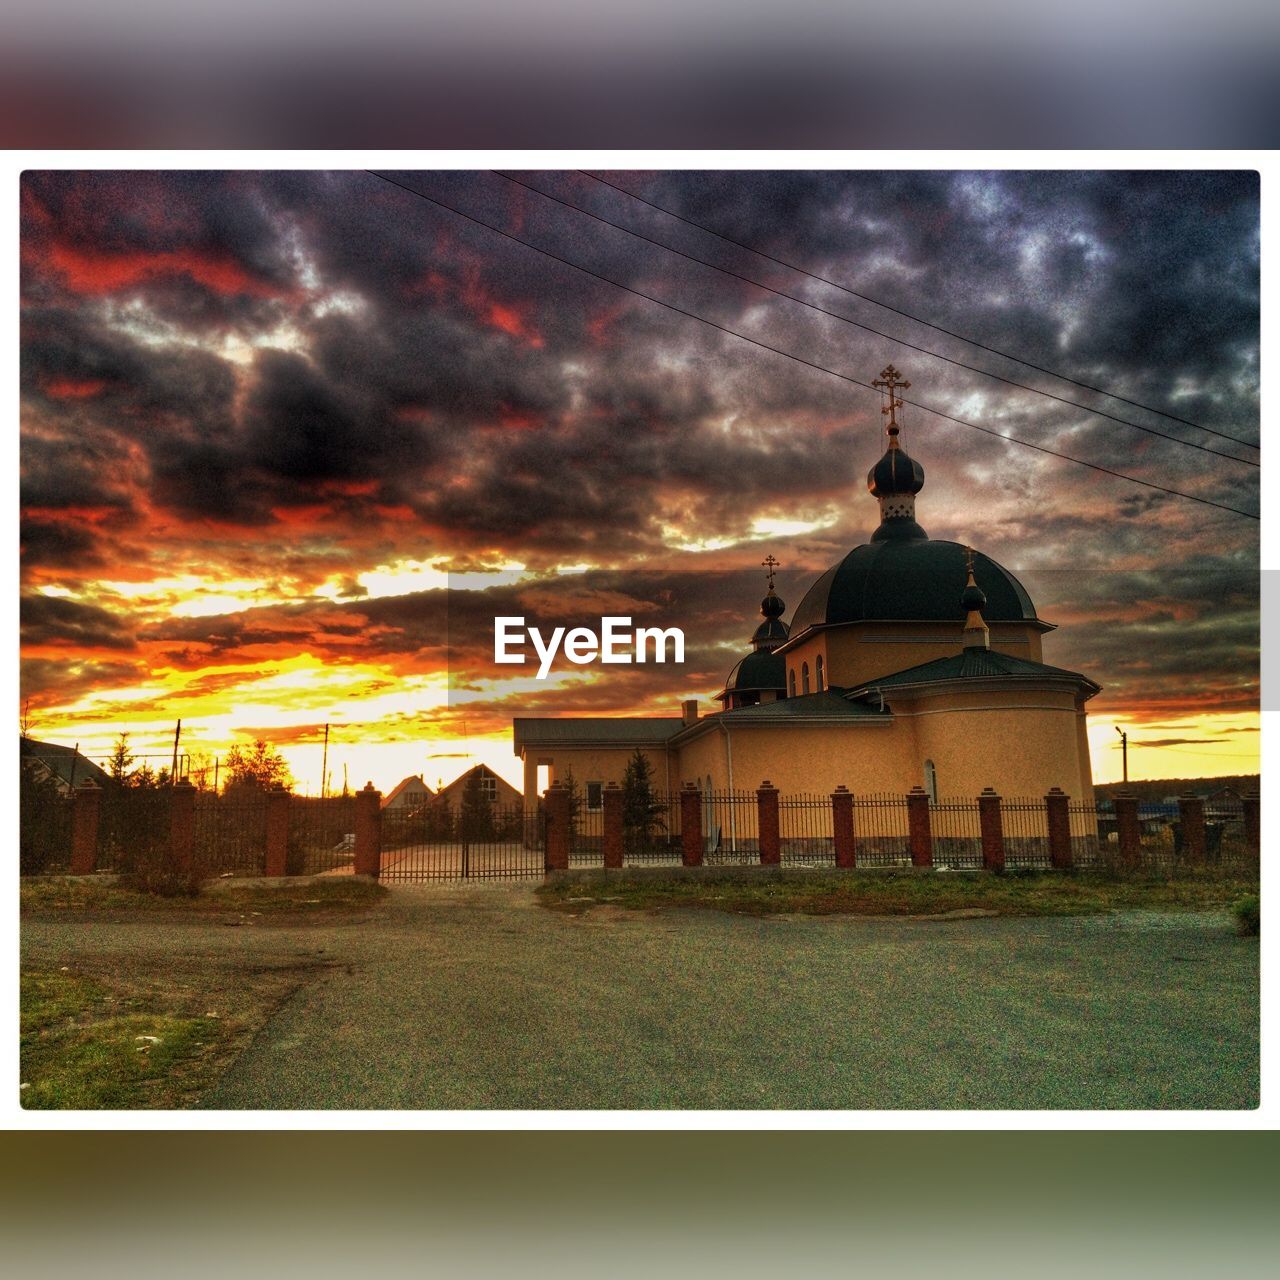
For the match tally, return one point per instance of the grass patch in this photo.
(341, 894)
(1247, 914)
(1014, 893)
(94, 1043)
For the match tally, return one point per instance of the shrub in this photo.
(1246, 913)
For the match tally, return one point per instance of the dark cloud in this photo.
(307, 374)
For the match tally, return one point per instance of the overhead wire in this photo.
(950, 333)
(757, 342)
(835, 315)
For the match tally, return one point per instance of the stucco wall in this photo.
(862, 651)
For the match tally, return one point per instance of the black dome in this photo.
(895, 473)
(917, 579)
(760, 670)
(771, 631)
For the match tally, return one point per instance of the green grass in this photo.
(44, 894)
(89, 1044)
(1016, 893)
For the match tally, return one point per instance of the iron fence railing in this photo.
(1025, 823)
(322, 834)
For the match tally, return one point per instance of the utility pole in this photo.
(173, 772)
(1124, 750)
(324, 765)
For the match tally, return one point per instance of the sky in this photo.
(291, 440)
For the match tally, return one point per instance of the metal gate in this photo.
(497, 843)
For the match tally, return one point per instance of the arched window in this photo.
(931, 781)
(791, 681)
(822, 675)
(804, 677)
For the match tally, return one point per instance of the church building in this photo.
(911, 662)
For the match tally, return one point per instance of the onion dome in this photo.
(973, 600)
(896, 479)
(761, 675)
(772, 631)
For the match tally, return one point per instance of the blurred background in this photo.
(567, 73)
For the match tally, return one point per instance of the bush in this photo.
(162, 880)
(1246, 913)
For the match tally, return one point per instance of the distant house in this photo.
(411, 793)
(498, 791)
(65, 765)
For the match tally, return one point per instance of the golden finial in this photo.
(770, 564)
(891, 380)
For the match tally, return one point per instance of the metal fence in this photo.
(492, 843)
(322, 835)
(1025, 821)
(881, 830)
(230, 832)
(957, 833)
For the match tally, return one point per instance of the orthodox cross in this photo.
(770, 565)
(891, 380)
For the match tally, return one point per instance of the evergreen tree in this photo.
(121, 761)
(476, 819)
(642, 818)
(575, 801)
(259, 766)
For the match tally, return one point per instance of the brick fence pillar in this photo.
(558, 810)
(613, 841)
(1253, 823)
(767, 819)
(921, 834)
(691, 825)
(842, 826)
(991, 824)
(1191, 813)
(277, 832)
(1128, 828)
(86, 813)
(1058, 816)
(368, 831)
(182, 827)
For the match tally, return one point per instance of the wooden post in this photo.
(991, 824)
(277, 832)
(842, 826)
(691, 825)
(368, 831)
(558, 821)
(1128, 828)
(182, 827)
(1058, 815)
(767, 819)
(613, 842)
(921, 834)
(86, 813)
(1191, 816)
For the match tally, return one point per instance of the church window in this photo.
(595, 795)
(931, 781)
(822, 675)
(804, 676)
(791, 681)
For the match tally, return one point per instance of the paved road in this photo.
(478, 998)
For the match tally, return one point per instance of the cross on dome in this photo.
(891, 381)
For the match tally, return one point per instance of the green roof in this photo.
(592, 731)
(974, 664)
(829, 704)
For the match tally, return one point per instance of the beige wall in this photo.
(863, 651)
(1020, 742)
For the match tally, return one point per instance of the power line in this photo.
(844, 377)
(973, 342)
(835, 315)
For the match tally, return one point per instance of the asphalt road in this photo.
(478, 998)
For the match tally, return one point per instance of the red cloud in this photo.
(87, 271)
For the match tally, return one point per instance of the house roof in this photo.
(593, 731)
(403, 785)
(974, 664)
(64, 763)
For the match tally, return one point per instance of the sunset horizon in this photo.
(292, 441)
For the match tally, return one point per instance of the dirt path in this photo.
(478, 998)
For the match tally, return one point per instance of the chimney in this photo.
(689, 711)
